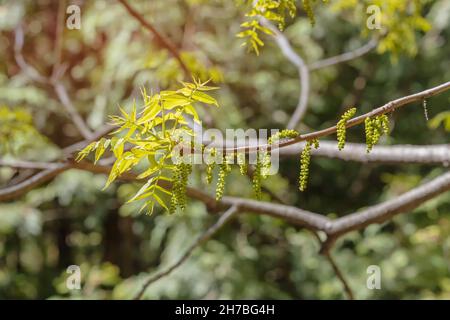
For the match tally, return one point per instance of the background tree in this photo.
(59, 86)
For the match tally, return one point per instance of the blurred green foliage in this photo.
(70, 220)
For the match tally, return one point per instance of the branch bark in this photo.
(388, 107)
(310, 220)
(396, 154)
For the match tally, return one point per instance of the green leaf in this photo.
(191, 110)
(83, 153)
(176, 100)
(160, 201)
(145, 188)
(444, 118)
(203, 97)
(101, 147)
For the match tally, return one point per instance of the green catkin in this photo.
(369, 133)
(374, 128)
(385, 124)
(209, 172)
(243, 166)
(257, 177)
(179, 198)
(174, 199)
(284, 134)
(210, 168)
(173, 205)
(308, 8)
(224, 169)
(315, 143)
(341, 127)
(305, 159)
(265, 164)
(376, 134)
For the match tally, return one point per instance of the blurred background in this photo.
(70, 220)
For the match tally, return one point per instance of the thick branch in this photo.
(426, 154)
(310, 220)
(386, 210)
(388, 107)
(354, 152)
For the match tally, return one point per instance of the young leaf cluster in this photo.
(17, 131)
(399, 22)
(149, 137)
(374, 128)
(272, 10)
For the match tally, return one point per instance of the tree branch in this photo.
(17, 190)
(224, 218)
(347, 56)
(340, 275)
(310, 220)
(424, 154)
(386, 210)
(160, 39)
(60, 90)
(335, 268)
(388, 107)
(303, 72)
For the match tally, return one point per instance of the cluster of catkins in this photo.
(341, 127)
(374, 128)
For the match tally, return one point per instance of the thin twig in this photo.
(401, 154)
(63, 97)
(161, 40)
(347, 56)
(340, 275)
(335, 268)
(20, 164)
(30, 71)
(224, 218)
(386, 108)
